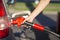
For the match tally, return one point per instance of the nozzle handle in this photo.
(35, 26)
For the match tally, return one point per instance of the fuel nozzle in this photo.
(18, 21)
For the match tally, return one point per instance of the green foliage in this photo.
(51, 7)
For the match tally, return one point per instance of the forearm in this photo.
(40, 7)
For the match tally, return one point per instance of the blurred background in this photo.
(21, 5)
(48, 17)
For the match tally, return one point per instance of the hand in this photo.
(29, 19)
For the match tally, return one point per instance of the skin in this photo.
(40, 7)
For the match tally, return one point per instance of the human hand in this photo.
(29, 19)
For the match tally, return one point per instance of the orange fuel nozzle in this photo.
(18, 21)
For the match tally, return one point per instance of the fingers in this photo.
(28, 19)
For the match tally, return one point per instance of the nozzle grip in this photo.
(35, 26)
(38, 27)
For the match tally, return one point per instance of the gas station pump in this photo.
(5, 24)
